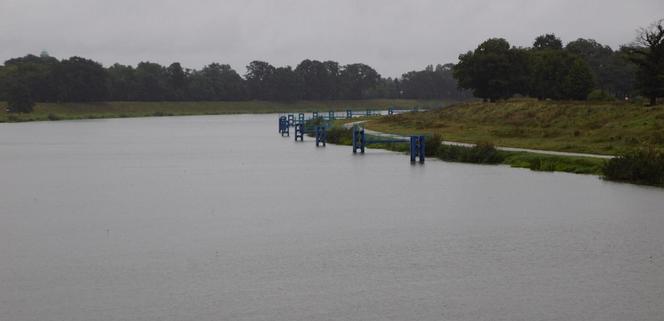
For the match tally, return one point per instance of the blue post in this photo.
(299, 132)
(284, 129)
(349, 114)
(359, 141)
(368, 112)
(314, 115)
(390, 111)
(291, 119)
(417, 148)
(422, 151)
(321, 135)
(413, 144)
(300, 118)
(330, 115)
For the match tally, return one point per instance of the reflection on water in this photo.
(219, 218)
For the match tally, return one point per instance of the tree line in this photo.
(582, 68)
(495, 70)
(46, 79)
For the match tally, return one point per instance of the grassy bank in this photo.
(487, 154)
(119, 109)
(586, 127)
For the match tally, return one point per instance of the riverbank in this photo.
(605, 128)
(482, 154)
(634, 133)
(121, 109)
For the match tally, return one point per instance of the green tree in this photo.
(357, 80)
(177, 81)
(80, 79)
(548, 41)
(648, 55)
(578, 82)
(612, 72)
(492, 70)
(557, 74)
(259, 80)
(19, 98)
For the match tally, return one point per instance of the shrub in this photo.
(482, 153)
(642, 166)
(431, 144)
(339, 135)
(53, 117)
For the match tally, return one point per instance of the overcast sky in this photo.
(391, 36)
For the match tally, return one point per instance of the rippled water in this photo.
(219, 218)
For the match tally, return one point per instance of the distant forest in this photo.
(581, 69)
(47, 79)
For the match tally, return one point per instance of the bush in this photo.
(600, 95)
(643, 166)
(53, 117)
(482, 153)
(340, 135)
(431, 144)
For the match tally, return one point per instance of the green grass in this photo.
(120, 109)
(554, 163)
(607, 128)
(486, 154)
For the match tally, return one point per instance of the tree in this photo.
(578, 82)
(259, 79)
(431, 83)
(37, 73)
(151, 82)
(122, 82)
(557, 74)
(548, 41)
(19, 98)
(492, 70)
(286, 84)
(217, 82)
(80, 79)
(176, 78)
(357, 80)
(648, 54)
(612, 72)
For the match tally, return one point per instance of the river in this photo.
(220, 218)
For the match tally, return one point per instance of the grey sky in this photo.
(392, 36)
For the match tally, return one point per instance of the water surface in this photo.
(219, 218)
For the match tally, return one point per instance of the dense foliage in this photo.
(648, 54)
(495, 70)
(643, 166)
(46, 79)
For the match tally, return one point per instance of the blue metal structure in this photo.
(359, 140)
(417, 148)
(283, 126)
(321, 135)
(299, 132)
(317, 126)
(416, 143)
